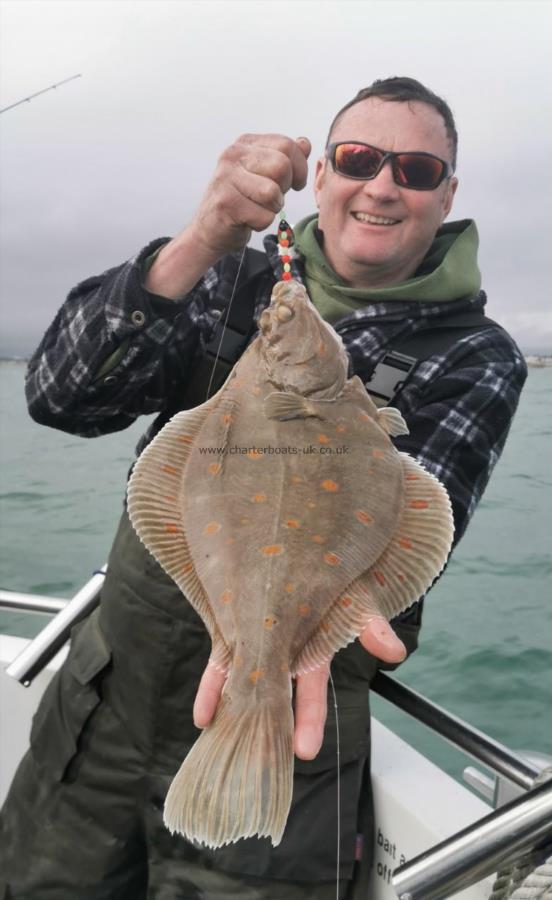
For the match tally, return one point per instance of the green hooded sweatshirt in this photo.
(449, 271)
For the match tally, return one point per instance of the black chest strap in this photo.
(392, 372)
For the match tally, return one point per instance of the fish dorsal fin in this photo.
(154, 506)
(415, 555)
(391, 421)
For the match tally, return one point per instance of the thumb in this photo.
(305, 145)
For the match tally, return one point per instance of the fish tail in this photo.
(237, 779)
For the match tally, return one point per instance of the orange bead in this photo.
(287, 276)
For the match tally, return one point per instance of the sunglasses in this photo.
(418, 171)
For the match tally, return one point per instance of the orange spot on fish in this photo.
(378, 454)
(363, 517)
(272, 550)
(214, 468)
(341, 429)
(293, 523)
(170, 470)
(189, 567)
(318, 539)
(311, 504)
(185, 438)
(231, 541)
(304, 609)
(289, 587)
(254, 454)
(258, 498)
(323, 439)
(227, 596)
(170, 499)
(269, 623)
(226, 419)
(419, 504)
(412, 478)
(405, 543)
(172, 529)
(296, 479)
(325, 626)
(321, 348)
(212, 528)
(346, 602)
(401, 577)
(255, 391)
(380, 578)
(330, 485)
(332, 559)
(238, 662)
(365, 417)
(255, 675)
(244, 520)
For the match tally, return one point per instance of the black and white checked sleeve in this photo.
(115, 351)
(459, 426)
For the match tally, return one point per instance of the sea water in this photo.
(486, 644)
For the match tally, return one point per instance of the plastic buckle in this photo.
(389, 376)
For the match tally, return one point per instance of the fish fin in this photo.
(237, 779)
(391, 421)
(340, 626)
(415, 555)
(284, 405)
(419, 546)
(154, 508)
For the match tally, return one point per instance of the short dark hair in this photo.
(403, 90)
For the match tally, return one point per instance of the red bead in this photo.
(287, 276)
(285, 258)
(284, 243)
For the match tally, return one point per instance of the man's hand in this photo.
(248, 188)
(378, 638)
(245, 194)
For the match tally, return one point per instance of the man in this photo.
(84, 815)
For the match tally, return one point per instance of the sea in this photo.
(486, 645)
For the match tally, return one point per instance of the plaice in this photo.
(285, 514)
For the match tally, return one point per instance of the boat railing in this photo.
(38, 653)
(453, 865)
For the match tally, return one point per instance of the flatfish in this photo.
(288, 519)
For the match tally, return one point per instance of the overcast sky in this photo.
(92, 171)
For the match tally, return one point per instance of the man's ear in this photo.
(449, 196)
(319, 178)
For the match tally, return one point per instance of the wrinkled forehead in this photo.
(395, 126)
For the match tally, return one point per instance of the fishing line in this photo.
(234, 286)
(338, 755)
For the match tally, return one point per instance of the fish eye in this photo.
(284, 313)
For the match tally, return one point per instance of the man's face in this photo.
(375, 232)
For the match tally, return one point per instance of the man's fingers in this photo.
(310, 712)
(208, 695)
(299, 163)
(381, 641)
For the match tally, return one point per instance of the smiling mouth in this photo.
(374, 220)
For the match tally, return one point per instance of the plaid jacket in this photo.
(115, 351)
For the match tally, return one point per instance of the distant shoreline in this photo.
(533, 360)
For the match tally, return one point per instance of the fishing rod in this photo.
(43, 91)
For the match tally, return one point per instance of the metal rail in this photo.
(44, 647)
(14, 600)
(475, 743)
(479, 850)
